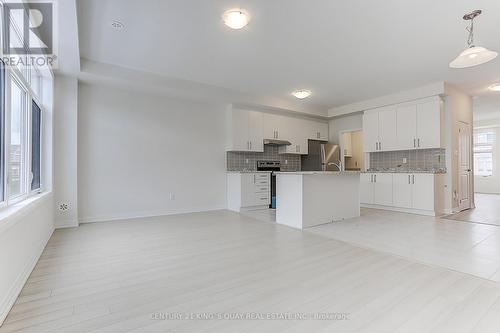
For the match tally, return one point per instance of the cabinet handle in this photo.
(380, 146)
(375, 178)
(409, 179)
(371, 179)
(418, 141)
(250, 145)
(413, 179)
(414, 143)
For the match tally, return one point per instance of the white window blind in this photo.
(484, 141)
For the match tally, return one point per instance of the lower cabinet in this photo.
(413, 192)
(248, 190)
(376, 189)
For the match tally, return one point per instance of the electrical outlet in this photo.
(172, 196)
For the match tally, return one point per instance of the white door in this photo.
(383, 189)
(239, 129)
(464, 166)
(402, 188)
(388, 139)
(366, 188)
(423, 191)
(429, 125)
(406, 126)
(256, 131)
(370, 131)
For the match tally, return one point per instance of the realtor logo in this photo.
(29, 32)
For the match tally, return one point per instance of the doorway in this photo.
(351, 148)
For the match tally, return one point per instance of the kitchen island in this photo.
(311, 198)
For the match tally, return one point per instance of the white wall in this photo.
(65, 151)
(490, 184)
(344, 123)
(458, 108)
(135, 149)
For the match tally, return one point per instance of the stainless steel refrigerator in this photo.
(322, 156)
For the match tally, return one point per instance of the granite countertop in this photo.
(336, 173)
(246, 171)
(436, 172)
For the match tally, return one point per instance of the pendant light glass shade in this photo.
(473, 56)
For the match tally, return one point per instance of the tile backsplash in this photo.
(422, 159)
(239, 161)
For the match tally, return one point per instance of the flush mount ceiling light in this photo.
(236, 18)
(495, 87)
(473, 55)
(117, 25)
(302, 93)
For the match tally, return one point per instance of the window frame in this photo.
(491, 145)
(30, 121)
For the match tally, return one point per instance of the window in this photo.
(17, 148)
(36, 122)
(484, 141)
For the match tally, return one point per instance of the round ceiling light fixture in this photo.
(473, 55)
(302, 93)
(117, 25)
(495, 87)
(236, 18)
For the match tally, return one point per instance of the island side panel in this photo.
(289, 200)
(328, 198)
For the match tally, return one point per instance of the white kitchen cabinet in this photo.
(370, 131)
(429, 124)
(379, 129)
(366, 190)
(244, 130)
(274, 126)
(246, 190)
(387, 129)
(402, 190)
(383, 189)
(294, 131)
(423, 191)
(406, 126)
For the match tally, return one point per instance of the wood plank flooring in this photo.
(117, 276)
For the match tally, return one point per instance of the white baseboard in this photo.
(403, 210)
(145, 214)
(68, 223)
(20, 281)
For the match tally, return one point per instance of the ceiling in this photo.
(344, 51)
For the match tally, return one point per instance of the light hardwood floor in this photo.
(111, 277)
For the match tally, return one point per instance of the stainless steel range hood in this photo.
(275, 142)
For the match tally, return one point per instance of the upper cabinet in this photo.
(245, 130)
(379, 129)
(413, 125)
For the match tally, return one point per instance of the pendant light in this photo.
(473, 55)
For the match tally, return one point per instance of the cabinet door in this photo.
(423, 191)
(366, 188)
(387, 128)
(271, 122)
(402, 190)
(370, 131)
(429, 125)
(383, 189)
(323, 131)
(406, 126)
(239, 130)
(347, 144)
(256, 131)
(247, 189)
